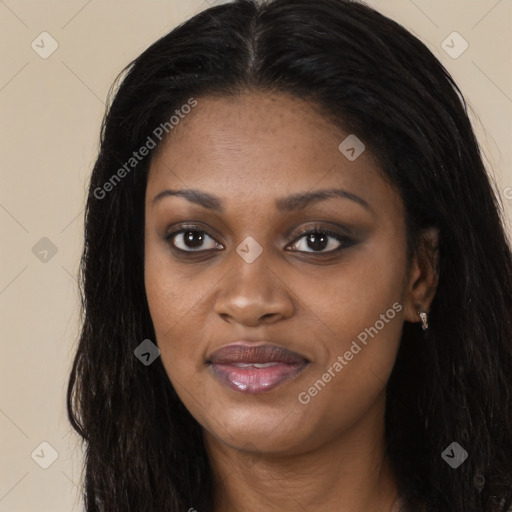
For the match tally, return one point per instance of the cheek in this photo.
(361, 314)
(356, 293)
(161, 292)
(172, 305)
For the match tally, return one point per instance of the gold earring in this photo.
(424, 320)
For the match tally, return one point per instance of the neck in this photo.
(347, 473)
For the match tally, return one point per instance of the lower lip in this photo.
(253, 380)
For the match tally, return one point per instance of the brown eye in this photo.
(317, 240)
(191, 240)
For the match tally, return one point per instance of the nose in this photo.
(252, 294)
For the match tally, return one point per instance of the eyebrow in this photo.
(290, 203)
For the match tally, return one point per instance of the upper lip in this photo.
(265, 353)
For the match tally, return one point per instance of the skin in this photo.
(268, 451)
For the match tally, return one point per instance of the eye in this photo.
(312, 240)
(317, 239)
(191, 239)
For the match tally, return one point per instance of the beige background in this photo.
(51, 111)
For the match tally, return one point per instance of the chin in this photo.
(258, 428)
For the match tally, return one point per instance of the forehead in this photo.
(259, 145)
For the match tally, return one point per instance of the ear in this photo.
(423, 276)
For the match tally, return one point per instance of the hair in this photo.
(144, 450)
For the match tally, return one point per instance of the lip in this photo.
(253, 369)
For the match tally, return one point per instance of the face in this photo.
(277, 279)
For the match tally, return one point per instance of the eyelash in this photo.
(344, 240)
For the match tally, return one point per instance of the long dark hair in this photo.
(144, 451)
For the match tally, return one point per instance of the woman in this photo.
(340, 338)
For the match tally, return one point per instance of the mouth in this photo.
(255, 369)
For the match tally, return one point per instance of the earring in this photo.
(424, 320)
